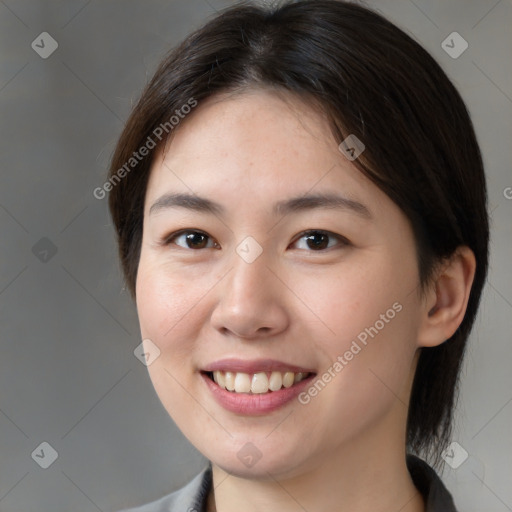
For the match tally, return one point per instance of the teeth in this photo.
(275, 381)
(257, 383)
(288, 378)
(242, 383)
(221, 379)
(229, 380)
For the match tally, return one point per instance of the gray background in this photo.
(68, 329)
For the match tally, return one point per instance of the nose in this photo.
(251, 301)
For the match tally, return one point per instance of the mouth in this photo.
(258, 383)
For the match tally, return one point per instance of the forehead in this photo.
(259, 124)
(257, 145)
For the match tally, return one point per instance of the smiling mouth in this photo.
(256, 383)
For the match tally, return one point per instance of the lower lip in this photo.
(257, 403)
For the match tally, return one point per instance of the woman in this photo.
(300, 205)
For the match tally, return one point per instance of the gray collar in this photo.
(193, 496)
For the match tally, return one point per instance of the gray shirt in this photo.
(192, 497)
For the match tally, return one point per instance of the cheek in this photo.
(371, 312)
(352, 299)
(166, 305)
(165, 296)
(167, 302)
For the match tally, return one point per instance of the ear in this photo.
(445, 304)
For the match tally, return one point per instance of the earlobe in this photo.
(445, 305)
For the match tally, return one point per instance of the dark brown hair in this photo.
(372, 80)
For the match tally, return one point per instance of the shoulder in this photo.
(436, 495)
(190, 498)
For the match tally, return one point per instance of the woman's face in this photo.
(260, 286)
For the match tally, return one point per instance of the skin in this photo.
(345, 449)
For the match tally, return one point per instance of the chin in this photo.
(262, 467)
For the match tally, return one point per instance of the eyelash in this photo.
(344, 242)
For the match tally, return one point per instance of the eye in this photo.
(318, 240)
(192, 239)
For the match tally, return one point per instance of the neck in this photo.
(364, 474)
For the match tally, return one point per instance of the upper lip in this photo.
(254, 366)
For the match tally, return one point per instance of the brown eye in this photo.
(191, 239)
(318, 240)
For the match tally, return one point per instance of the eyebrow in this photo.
(295, 204)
